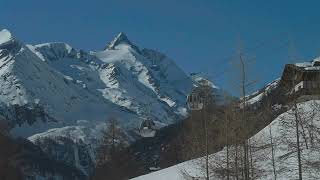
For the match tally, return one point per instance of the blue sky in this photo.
(200, 35)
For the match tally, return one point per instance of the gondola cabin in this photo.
(147, 128)
(194, 101)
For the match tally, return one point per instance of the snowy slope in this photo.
(28, 81)
(285, 154)
(198, 79)
(257, 96)
(134, 82)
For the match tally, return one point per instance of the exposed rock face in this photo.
(121, 38)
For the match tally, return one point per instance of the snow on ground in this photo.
(285, 156)
(255, 99)
(198, 79)
(174, 172)
(312, 65)
(84, 133)
(304, 64)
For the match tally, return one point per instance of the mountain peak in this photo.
(121, 38)
(5, 36)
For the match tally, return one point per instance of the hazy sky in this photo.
(200, 35)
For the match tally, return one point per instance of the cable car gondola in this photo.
(195, 101)
(155, 66)
(147, 128)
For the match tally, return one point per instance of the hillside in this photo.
(285, 154)
(270, 108)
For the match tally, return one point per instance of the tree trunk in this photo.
(298, 142)
(206, 143)
(236, 163)
(227, 144)
(272, 153)
(244, 131)
(251, 160)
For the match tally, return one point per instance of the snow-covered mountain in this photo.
(71, 86)
(221, 96)
(52, 90)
